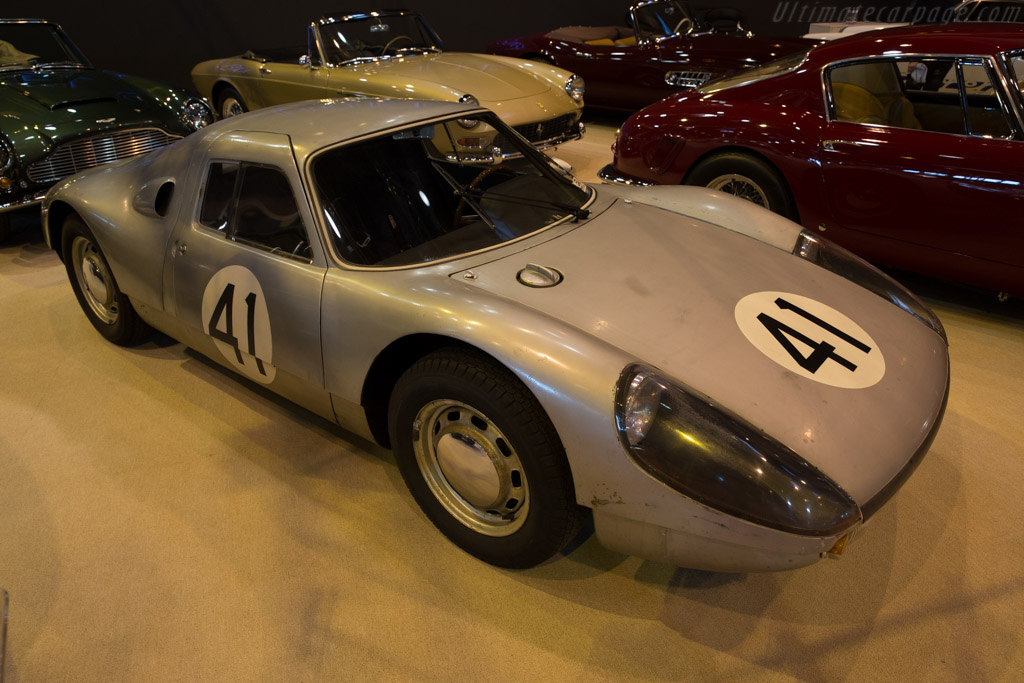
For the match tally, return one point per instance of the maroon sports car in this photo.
(904, 145)
(666, 49)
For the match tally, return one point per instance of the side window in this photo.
(254, 204)
(220, 189)
(872, 93)
(985, 114)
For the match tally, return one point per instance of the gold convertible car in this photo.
(395, 53)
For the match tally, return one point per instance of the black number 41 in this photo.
(223, 309)
(822, 350)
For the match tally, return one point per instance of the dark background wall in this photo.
(164, 40)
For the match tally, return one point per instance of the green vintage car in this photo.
(395, 54)
(59, 115)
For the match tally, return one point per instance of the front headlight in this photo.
(6, 154)
(832, 257)
(468, 99)
(719, 460)
(197, 114)
(575, 87)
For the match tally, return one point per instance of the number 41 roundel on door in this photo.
(811, 339)
(235, 315)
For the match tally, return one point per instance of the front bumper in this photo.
(609, 175)
(25, 201)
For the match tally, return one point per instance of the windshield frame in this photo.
(323, 27)
(642, 39)
(530, 153)
(77, 61)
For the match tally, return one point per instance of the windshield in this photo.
(776, 67)
(27, 45)
(373, 36)
(430, 192)
(658, 20)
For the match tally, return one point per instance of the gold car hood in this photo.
(666, 289)
(449, 75)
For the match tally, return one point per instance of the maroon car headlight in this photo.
(575, 87)
(832, 257)
(719, 460)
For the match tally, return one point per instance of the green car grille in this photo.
(84, 153)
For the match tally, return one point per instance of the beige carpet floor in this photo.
(161, 521)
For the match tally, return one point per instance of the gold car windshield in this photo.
(376, 36)
(440, 190)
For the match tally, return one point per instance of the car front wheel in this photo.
(746, 177)
(230, 103)
(482, 459)
(106, 306)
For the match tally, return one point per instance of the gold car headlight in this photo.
(575, 87)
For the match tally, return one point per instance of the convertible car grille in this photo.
(83, 153)
(552, 130)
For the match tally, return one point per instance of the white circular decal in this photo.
(811, 339)
(235, 315)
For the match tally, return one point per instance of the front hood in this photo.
(42, 109)
(454, 74)
(665, 289)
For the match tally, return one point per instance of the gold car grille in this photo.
(544, 131)
(83, 153)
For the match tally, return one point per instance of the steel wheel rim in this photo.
(740, 186)
(231, 107)
(94, 280)
(455, 445)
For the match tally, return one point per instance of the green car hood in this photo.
(486, 78)
(41, 109)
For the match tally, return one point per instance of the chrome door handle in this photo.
(835, 145)
(264, 69)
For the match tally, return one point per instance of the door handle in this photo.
(838, 145)
(264, 69)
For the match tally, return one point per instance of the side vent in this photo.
(154, 198)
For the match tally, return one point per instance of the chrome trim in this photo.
(84, 153)
(609, 175)
(23, 202)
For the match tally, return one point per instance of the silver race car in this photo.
(722, 389)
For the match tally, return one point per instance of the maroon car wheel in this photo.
(747, 177)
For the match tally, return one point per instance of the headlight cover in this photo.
(575, 87)
(473, 102)
(197, 114)
(6, 154)
(719, 460)
(843, 263)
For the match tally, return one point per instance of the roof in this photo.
(313, 124)
(963, 38)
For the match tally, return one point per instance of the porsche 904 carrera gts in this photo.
(723, 389)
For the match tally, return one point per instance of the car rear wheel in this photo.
(106, 306)
(746, 177)
(482, 459)
(230, 103)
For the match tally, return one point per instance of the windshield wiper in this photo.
(475, 193)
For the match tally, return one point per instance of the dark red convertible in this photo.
(666, 49)
(904, 145)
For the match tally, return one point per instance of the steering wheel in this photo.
(685, 21)
(474, 184)
(387, 45)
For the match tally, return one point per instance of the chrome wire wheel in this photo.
(94, 279)
(471, 468)
(231, 106)
(740, 186)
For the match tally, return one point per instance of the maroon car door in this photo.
(901, 162)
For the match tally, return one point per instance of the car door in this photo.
(247, 268)
(925, 151)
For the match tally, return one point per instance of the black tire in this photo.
(456, 409)
(230, 103)
(747, 177)
(106, 306)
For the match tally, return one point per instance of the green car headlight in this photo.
(197, 114)
(6, 154)
(575, 87)
(719, 460)
(832, 257)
